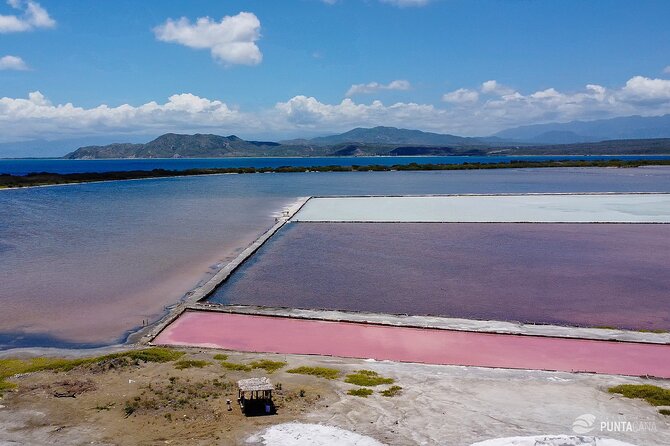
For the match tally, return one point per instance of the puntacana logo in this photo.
(584, 424)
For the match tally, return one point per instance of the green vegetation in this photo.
(321, 372)
(189, 363)
(267, 365)
(391, 391)
(220, 357)
(367, 378)
(11, 367)
(177, 395)
(361, 391)
(47, 178)
(665, 412)
(236, 366)
(657, 331)
(654, 395)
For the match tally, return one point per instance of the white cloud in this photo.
(32, 16)
(374, 87)
(232, 41)
(666, 70)
(12, 63)
(645, 90)
(461, 96)
(24, 118)
(406, 3)
(494, 87)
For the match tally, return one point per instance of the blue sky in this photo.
(304, 67)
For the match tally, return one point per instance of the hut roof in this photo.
(254, 384)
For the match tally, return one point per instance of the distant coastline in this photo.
(8, 181)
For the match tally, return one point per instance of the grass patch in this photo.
(361, 391)
(391, 391)
(220, 357)
(189, 363)
(235, 366)
(665, 412)
(11, 367)
(367, 378)
(321, 372)
(654, 395)
(657, 331)
(267, 365)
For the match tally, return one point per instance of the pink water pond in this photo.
(432, 346)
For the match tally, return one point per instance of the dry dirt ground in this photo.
(443, 405)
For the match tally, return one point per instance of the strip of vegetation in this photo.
(654, 395)
(47, 178)
(361, 391)
(665, 412)
(321, 372)
(267, 365)
(11, 367)
(391, 391)
(235, 366)
(367, 378)
(220, 357)
(190, 363)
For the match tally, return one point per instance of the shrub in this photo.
(391, 391)
(321, 372)
(220, 357)
(267, 365)
(654, 395)
(11, 367)
(361, 391)
(235, 366)
(665, 412)
(367, 378)
(188, 363)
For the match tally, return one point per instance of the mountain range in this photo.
(631, 135)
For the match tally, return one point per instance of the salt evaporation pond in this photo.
(615, 275)
(84, 264)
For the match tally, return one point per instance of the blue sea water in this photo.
(84, 264)
(25, 166)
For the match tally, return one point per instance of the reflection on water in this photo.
(86, 263)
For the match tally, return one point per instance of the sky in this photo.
(129, 70)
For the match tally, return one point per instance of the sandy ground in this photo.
(445, 405)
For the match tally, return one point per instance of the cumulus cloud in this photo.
(461, 96)
(232, 41)
(645, 90)
(12, 63)
(494, 87)
(31, 16)
(374, 87)
(465, 112)
(21, 118)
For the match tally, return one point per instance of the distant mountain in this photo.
(378, 141)
(628, 127)
(391, 136)
(172, 145)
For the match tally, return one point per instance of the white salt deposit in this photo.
(531, 208)
(302, 434)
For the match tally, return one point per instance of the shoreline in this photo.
(13, 182)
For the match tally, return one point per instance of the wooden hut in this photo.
(255, 396)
